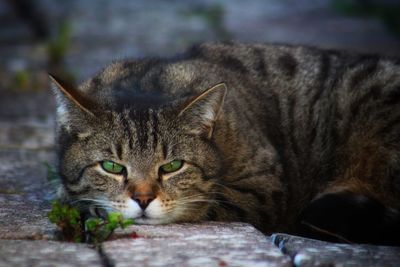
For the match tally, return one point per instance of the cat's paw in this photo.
(349, 217)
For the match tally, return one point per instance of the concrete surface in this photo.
(309, 252)
(19, 253)
(207, 244)
(102, 31)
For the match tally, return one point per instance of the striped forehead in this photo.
(138, 133)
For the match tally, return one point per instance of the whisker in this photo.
(197, 201)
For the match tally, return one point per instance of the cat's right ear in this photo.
(71, 103)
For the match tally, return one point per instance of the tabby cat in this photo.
(287, 138)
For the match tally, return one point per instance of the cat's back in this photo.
(256, 75)
(205, 63)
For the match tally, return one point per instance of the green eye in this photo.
(112, 167)
(172, 166)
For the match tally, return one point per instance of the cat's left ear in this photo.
(201, 113)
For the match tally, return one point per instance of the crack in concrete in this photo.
(106, 261)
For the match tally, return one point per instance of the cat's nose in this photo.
(143, 199)
(143, 195)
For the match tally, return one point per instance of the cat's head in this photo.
(153, 159)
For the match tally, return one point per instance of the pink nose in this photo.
(143, 195)
(143, 199)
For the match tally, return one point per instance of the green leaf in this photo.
(111, 226)
(51, 173)
(74, 213)
(77, 239)
(69, 221)
(114, 217)
(52, 217)
(73, 222)
(64, 210)
(92, 223)
(125, 223)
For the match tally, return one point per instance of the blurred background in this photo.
(76, 38)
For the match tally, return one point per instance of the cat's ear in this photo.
(71, 103)
(201, 112)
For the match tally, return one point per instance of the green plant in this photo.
(100, 230)
(94, 230)
(25, 80)
(22, 79)
(68, 220)
(73, 227)
(58, 47)
(52, 175)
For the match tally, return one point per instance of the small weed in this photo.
(74, 228)
(25, 80)
(100, 230)
(94, 230)
(68, 220)
(58, 47)
(52, 175)
(22, 80)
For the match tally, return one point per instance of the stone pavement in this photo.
(18, 253)
(309, 252)
(103, 31)
(207, 244)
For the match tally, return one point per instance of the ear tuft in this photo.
(71, 103)
(72, 94)
(202, 112)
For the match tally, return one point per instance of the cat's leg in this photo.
(362, 203)
(345, 216)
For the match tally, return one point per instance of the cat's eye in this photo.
(172, 166)
(112, 167)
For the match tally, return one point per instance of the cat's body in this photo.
(290, 126)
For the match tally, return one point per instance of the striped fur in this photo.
(297, 123)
